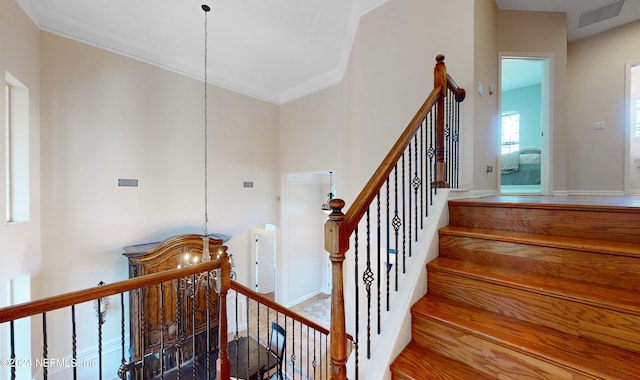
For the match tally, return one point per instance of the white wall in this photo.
(596, 88)
(19, 43)
(482, 141)
(543, 33)
(106, 116)
(306, 257)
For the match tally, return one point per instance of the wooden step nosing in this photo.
(582, 299)
(559, 357)
(551, 241)
(545, 206)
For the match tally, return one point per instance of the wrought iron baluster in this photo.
(13, 348)
(315, 362)
(178, 341)
(388, 268)
(99, 316)
(368, 279)
(379, 263)
(208, 313)
(74, 341)
(397, 223)
(410, 208)
(432, 151)
(457, 142)
(248, 328)
(447, 134)
(45, 349)
(193, 326)
(293, 348)
(122, 371)
(161, 295)
(423, 193)
(356, 248)
(357, 292)
(416, 185)
(257, 329)
(236, 338)
(404, 219)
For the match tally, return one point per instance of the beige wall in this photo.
(543, 33)
(596, 88)
(389, 75)
(486, 134)
(106, 117)
(20, 247)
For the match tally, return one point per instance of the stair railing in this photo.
(215, 277)
(397, 197)
(306, 341)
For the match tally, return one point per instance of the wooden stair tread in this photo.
(612, 298)
(566, 350)
(419, 363)
(583, 244)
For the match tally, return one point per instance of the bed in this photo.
(521, 167)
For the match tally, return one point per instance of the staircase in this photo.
(530, 288)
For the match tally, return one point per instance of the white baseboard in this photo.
(601, 193)
(86, 363)
(303, 298)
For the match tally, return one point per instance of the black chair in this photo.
(276, 347)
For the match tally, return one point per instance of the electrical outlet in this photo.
(489, 169)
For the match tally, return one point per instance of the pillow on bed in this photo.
(530, 150)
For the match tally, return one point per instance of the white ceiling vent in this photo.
(599, 14)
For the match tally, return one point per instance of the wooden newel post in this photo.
(332, 244)
(440, 81)
(223, 284)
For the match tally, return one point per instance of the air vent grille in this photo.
(600, 14)
(127, 182)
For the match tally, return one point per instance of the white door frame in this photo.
(627, 123)
(546, 169)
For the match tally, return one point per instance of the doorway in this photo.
(525, 115)
(263, 276)
(632, 117)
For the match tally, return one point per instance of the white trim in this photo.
(303, 298)
(113, 348)
(603, 193)
(627, 128)
(546, 169)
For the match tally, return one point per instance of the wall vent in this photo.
(600, 14)
(247, 184)
(127, 182)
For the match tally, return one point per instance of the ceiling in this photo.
(275, 50)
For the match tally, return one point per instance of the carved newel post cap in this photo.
(440, 58)
(336, 205)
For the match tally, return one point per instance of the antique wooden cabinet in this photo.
(162, 318)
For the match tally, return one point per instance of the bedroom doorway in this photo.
(524, 109)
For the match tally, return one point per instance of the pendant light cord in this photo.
(205, 232)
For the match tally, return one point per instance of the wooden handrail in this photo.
(340, 227)
(48, 304)
(375, 183)
(277, 307)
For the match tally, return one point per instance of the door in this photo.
(265, 270)
(525, 129)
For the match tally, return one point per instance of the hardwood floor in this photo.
(531, 287)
